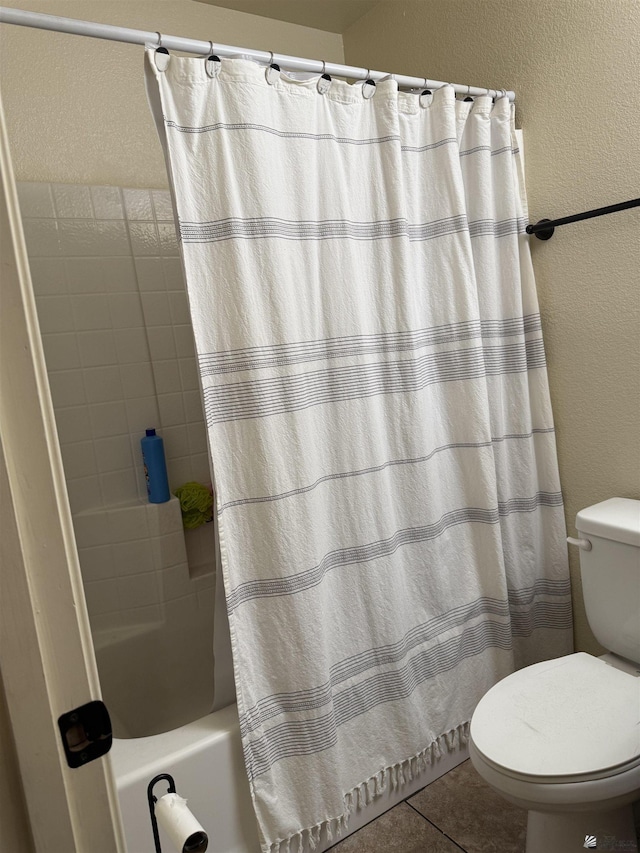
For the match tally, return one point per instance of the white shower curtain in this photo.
(369, 342)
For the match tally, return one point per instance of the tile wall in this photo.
(119, 349)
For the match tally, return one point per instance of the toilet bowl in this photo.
(561, 738)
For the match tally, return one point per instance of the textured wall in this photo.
(14, 823)
(574, 65)
(76, 107)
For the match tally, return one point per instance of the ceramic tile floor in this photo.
(458, 812)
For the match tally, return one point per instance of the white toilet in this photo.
(562, 738)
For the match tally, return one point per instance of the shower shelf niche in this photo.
(138, 567)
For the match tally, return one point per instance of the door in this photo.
(46, 654)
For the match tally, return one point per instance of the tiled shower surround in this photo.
(118, 344)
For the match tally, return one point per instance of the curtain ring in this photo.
(272, 71)
(324, 80)
(368, 86)
(161, 55)
(212, 63)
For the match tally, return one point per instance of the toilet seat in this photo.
(572, 719)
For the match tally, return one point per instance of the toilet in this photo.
(562, 738)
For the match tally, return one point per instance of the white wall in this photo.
(76, 107)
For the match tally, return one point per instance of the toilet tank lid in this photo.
(616, 518)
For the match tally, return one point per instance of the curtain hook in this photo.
(161, 55)
(468, 95)
(426, 90)
(368, 86)
(272, 71)
(212, 63)
(324, 81)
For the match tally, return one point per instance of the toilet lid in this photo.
(572, 716)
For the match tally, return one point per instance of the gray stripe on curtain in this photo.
(553, 614)
(275, 355)
(309, 578)
(264, 397)
(303, 737)
(329, 137)
(269, 227)
(459, 445)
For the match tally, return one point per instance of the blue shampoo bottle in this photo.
(155, 468)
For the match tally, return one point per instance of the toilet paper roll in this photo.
(181, 826)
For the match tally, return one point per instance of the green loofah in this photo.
(196, 503)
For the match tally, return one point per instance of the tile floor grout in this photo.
(463, 804)
(413, 808)
(486, 823)
(435, 826)
(374, 819)
(346, 837)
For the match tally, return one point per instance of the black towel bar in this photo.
(545, 227)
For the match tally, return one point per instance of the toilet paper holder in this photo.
(196, 842)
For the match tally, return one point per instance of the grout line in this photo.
(406, 800)
(373, 820)
(435, 826)
(353, 834)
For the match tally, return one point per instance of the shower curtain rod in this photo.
(288, 63)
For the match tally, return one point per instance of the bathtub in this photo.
(157, 676)
(205, 759)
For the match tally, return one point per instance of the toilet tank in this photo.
(611, 574)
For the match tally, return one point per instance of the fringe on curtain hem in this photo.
(396, 775)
